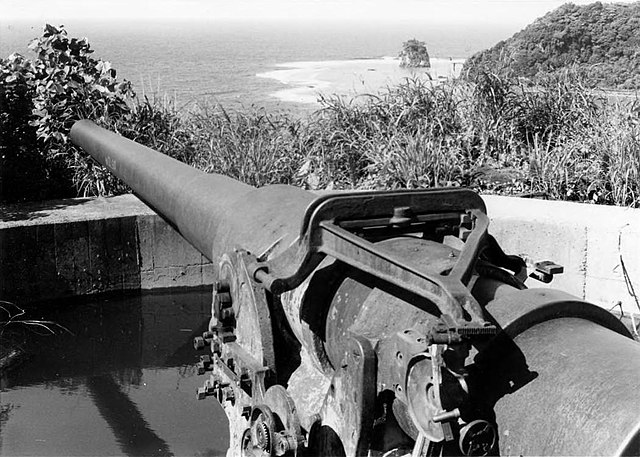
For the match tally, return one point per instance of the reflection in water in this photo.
(125, 420)
(123, 383)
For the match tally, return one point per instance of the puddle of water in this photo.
(124, 383)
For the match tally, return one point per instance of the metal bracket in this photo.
(545, 270)
(348, 406)
(343, 226)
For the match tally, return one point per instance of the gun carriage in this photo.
(384, 323)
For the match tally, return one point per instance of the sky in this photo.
(516, 12)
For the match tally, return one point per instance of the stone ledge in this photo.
(72, 210)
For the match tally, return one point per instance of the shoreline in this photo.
(306, 80)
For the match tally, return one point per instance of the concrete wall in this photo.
(597, 245)
(83, 246)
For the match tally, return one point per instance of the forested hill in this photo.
(602, 41)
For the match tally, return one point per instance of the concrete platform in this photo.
(84, 246)
(72, 247)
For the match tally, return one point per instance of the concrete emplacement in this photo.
(58, 249)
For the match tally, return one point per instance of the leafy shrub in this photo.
(23, 168)
(69, 84)
(41, 101)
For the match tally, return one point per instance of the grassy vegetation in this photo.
(558, 139)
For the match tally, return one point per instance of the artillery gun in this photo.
(384, 323)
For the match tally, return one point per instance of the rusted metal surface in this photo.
(385, 322)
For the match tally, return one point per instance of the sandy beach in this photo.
(304, 81)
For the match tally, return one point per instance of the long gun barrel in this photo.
(211, 211)
(385, 323)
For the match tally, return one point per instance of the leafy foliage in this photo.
(414, 54)
(600, 41)
(23, 168)
(69, 84)
(41, 99)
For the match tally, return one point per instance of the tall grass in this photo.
(558, 139)
(255, 147)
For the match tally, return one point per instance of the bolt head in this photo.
(199, 343)
(201, 393)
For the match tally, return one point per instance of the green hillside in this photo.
(600, 41)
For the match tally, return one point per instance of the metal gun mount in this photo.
(385, 323)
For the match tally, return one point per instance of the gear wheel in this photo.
(262, 436)
(258, 439)
(477, 438)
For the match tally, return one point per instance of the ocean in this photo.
(244, 64)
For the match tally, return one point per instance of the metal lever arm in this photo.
(448, 294)
(324, 235)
